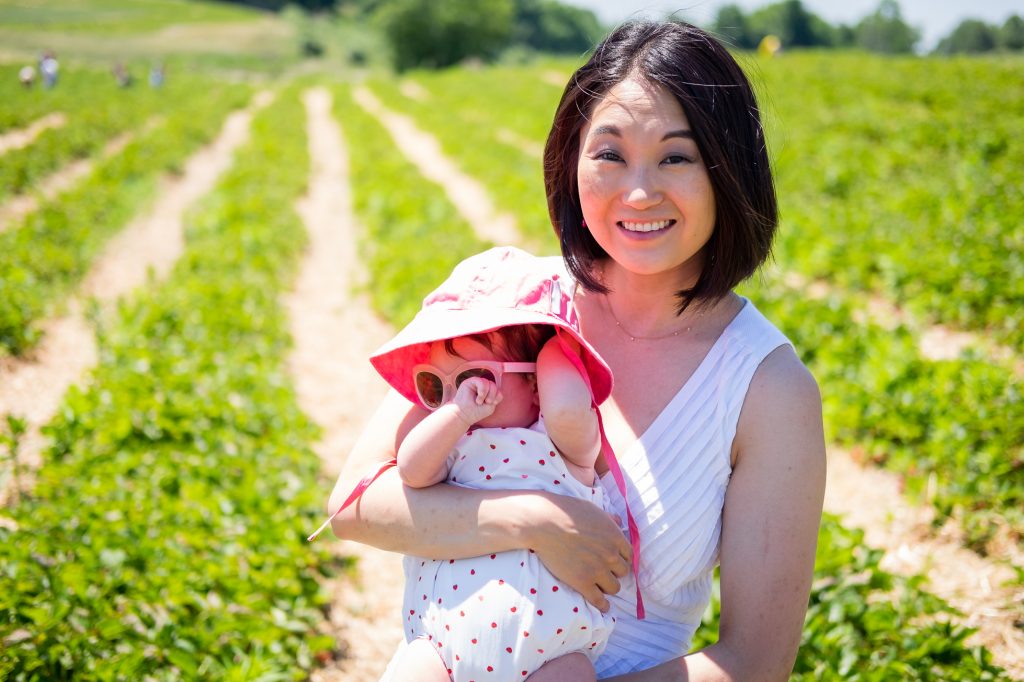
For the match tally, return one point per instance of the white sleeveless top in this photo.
(676, 475)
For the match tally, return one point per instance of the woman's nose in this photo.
(640, 191)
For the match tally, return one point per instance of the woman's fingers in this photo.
(582, 546)
(609, 584)
(595, 596)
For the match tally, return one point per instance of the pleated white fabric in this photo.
(676, 476)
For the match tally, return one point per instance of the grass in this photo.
(186, 34)
(116, 16)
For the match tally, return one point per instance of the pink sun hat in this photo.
(500, 287)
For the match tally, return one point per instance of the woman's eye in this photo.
(677, 158)
(608, 155)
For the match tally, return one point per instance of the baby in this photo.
(512, 390)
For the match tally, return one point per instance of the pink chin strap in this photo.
(606, 450)
(613, 467)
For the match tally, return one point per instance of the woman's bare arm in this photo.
(576, 541)
(769, 532)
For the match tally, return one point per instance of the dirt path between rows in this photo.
(334, 333)
(424, 151)
(935, 341)
(23, 137)
(870, 499)
(33, 387)
(17, 207)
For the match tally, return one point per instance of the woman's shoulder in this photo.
(782, 391)
(753, 329)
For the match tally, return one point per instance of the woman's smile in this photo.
(645, 226)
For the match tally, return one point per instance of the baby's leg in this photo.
(420, 662)
(574, 667)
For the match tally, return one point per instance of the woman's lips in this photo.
(645, 226)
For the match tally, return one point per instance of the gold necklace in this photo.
(634, 337)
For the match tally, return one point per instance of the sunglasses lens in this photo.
(429, 388)
(481, 372)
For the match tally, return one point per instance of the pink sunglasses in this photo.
(435, 387)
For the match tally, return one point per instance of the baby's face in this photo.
(518, 406)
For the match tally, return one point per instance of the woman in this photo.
(659, 188)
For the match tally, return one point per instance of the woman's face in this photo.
(644, 189)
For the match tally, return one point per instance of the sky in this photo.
(935, 18)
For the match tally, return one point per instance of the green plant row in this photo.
(520, 98)
(96, 111)
(952, 429)
(866, 625)
(413, 236)
(42, 259)
(164, 539)
(76, 88)
(886, 187)
(514, 178)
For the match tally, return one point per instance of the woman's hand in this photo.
(580, 544)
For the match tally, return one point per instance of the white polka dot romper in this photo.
(501, 616)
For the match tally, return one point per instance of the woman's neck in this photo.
(645, 305)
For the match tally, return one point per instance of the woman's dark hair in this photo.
(520, 342)
(722, 111)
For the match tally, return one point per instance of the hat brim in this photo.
(411, 346)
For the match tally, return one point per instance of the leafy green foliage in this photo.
(883, 188)
(970, 35)
(551, 26)
(1011, 33)
(116, 16)
(435, 34)
(164, 539)
(44, 257)
(110, 111)
(865, 624)
(885, 30)
(791, 23)
(413, 235)
(954, 429)
(460, 112)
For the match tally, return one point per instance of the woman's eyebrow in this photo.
(615, 132)
(606, 130)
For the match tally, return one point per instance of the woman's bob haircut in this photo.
(720, 106)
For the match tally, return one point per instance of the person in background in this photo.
(48, 67)
(156, 76)
(27, 75)
(122, 76)
(660, 191)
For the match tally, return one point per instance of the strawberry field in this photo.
(160, 534)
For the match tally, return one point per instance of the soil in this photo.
(33, 386)
(340, 395)
(424, 151)
(23, 137)
(19, 206)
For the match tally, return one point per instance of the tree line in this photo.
(884, 30)
(439, 33)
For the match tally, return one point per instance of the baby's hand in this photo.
(476, 399)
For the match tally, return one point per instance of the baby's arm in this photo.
(422, 456)
(565, 402)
